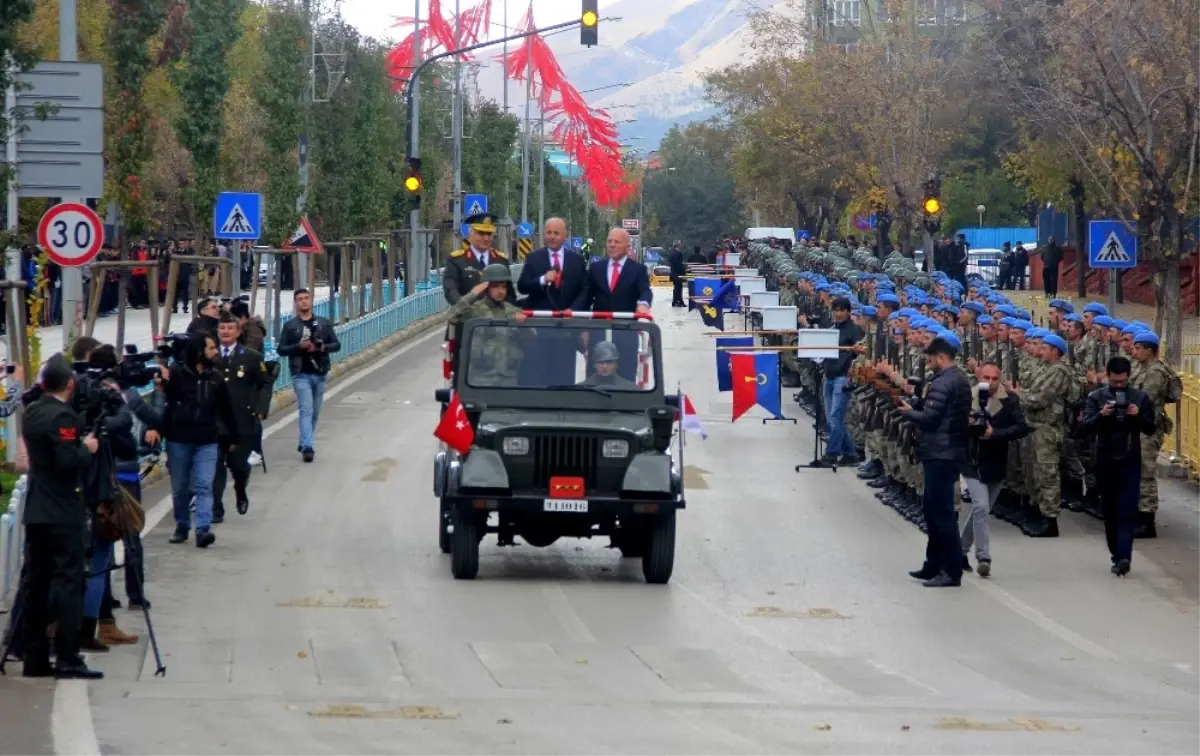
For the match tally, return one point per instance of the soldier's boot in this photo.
(110, 634)
(1092, 505)
(1043, 527)
(1072, 494)
(870, 470)
(1146, 527)
(1025, 515)
(1004, 506)
(912, 508)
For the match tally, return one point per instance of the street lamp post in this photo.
(980, 209)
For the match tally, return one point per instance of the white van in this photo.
(763, 233)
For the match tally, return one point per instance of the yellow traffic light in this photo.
(932, 206)
(413, 184)
(589, 23)
(589, 18)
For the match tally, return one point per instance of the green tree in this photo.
(202, 78)
(13, 14)
(280, 95)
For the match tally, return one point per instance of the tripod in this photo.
(818, 423)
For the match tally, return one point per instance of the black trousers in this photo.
(1050, 280)
(236, 461)
(1119, 483)
(54, 568)
(943, 551)
(677, 292)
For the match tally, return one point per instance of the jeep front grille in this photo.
(565, 455)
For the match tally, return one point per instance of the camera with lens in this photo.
(173, 347)
(978, 419)
(95, 396)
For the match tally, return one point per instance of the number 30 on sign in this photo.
(71, 234)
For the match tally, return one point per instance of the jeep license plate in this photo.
(566, 505)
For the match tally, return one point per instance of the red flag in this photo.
(745, 383)
(454, 429)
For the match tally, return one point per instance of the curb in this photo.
(285, 398)
(1168, 467)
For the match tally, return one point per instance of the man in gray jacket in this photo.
(307, 340)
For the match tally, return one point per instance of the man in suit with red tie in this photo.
(553, 278)
(621, 284)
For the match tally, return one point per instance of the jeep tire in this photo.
(444, 520)
(464, 555)
(659, 560)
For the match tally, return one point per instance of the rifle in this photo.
(976, 344)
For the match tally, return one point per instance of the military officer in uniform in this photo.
(56, 526)
(247, 380)
(605, 357)
(464, 269)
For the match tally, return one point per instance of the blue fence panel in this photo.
(994, 238)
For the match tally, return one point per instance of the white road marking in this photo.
(71, 727)
(560, 607)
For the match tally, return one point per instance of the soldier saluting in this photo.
(464, 269)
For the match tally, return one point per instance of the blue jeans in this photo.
(192, 467)
(836, 401)
(93, 592)
(310, 392)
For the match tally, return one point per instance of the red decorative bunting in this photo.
(588, 136)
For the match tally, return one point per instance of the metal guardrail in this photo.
(356, 336)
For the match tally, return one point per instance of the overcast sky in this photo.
(374, 18)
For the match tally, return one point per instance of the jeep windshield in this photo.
(585, 355)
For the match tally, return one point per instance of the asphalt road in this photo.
(326, 621)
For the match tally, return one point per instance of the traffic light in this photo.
(589, 24)
(412, 182)
(932, 205)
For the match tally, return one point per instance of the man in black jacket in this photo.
(942, 417)
(246, 378)
(554, 277)
(678, 271)
(1052, 256)
(307, 340)
(996, 420)
(206, 320)
(55, 526)
(198, 414)
(837, 386)
(1116, 414)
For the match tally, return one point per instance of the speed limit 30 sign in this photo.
(71, 234)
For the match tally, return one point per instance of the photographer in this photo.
(307, 340)
(147, 419)
(996, 420)
(1117, 415)
(55, 526)
(198, 414)
(246, 377)
(206, 318)
(942, 417)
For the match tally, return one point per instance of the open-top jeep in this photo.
(572, 438)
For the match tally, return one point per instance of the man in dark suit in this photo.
(620, 284)
(553, 278)
(675, 260)
(246, 379)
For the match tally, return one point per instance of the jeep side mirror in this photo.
(442, 396)
(662, 425)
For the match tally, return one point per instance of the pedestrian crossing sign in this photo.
(474, 204)
(1111, 245)
(237, 216)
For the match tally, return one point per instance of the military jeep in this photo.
(572, 438)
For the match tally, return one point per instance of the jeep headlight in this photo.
(615, 448)
(516, 446)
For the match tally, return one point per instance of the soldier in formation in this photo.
(1050, 369)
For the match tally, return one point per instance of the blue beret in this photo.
(1141, 325)
(1102, 320)
(1021, 325)
(869, 311)
(1146, 337)
(1073, 317)
(894, 316)
(1095, 308)
(1006, 309)
(1038, 333)
(1007, 320)
(1062, 304)
(1133, 328)
(985, 320)
(949, 337)
(973, 306)
(909, 312)
(932, 326)
(1119, 324)
(1025, 315)
(888, 299)
(1057, 342)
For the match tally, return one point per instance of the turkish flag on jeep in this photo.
(454, 429)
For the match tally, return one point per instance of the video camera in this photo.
(978, 420)
(173, 347)
(1120, 404)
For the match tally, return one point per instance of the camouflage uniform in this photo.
(1155, 378)
(496, 357)
(1045, 403)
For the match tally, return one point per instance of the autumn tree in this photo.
(1119, 95)
(202, 78)
(13, 14)
(280, 97)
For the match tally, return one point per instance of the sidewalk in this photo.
(137, 325)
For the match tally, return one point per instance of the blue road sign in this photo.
(238, 216)
(525, 230)
(464, 230)
(474, 204)
(802, 234)
(1110, 245)
(577, 242)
